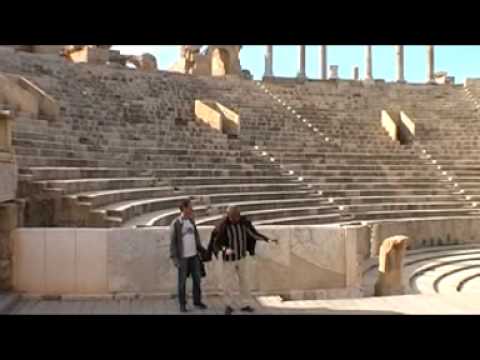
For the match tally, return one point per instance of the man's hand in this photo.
(275, 241)
(229, 252)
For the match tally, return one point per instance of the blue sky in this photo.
(458, 61)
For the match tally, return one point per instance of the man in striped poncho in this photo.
(234, 237)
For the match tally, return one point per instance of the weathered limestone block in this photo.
(217, 60)
(95, 54)
(145, 62)
(390, 266)
(23, 95)
(218, 116)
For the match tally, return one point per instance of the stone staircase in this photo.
(385, 179)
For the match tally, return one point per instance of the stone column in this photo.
(301, 72)
(269, 61)
(400, 63)
(355, 74)
(368, 62)
(430, 64)
(323, 62)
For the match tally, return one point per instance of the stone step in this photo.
(384, 185)
(64, 173)
(246, 187)
(24, 145)
(218, 180)
(357, 200)
(386, 192)
(451, 278)
(414, 214)
(386, 206)
(26, 161)
(417, 260)
(73, 186)
(159, 217)
(209, 172)
(272, 214)
(234, 197)
(371, 167)
(123, 211)
(362, 174)
(405, 180)
(95, 199)
(302, 220)
(470, 284)
(425, 272)
(117, 213)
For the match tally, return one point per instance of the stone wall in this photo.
(323, 259)
(109, 261)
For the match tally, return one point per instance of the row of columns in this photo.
(399, 52)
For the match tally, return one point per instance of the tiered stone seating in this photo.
(133, 148)
(157, 131)
(435, 270)
(383, 179)
(448, 133)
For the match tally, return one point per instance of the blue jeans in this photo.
(187, 266)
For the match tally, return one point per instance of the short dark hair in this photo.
(185, 203)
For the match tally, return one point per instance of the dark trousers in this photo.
(188, 266)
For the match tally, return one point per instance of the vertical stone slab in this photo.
(270, 267)
(91, 261)
(60, 261)
(355, 239)
(29, 260)
(124, 256)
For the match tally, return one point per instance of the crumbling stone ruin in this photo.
(390, 266)
(215, 60)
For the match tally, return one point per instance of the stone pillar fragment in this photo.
(368, 63)
(301, 72)
(269, 61)
(400, 63)
(323, 62)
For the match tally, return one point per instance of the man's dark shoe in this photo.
(228, 310)
(201, 306)
(247, 309)
(183, 309)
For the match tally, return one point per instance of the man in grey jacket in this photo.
(185, 248)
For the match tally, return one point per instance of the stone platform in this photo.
(394, 305)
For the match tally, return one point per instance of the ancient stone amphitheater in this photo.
(330, 167)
